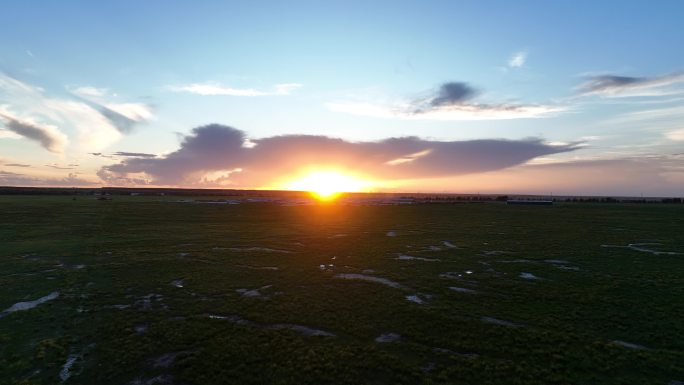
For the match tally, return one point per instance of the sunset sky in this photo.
(578, 97)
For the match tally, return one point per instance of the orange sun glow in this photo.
(327, 185)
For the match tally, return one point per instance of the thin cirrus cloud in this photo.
(134, 154)
(96, 119)
(8, 178)
(626, 86)
(216, 148)
(450, 101)
(213, 89)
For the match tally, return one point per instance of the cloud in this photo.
(95, 116)
(216, 148)
(211, 89)
(134, 154)
(124, 154)
(623, 86)
(124, 116)
(517, 60)
(657, 175)
(49, 136)
(677, 135)
(58, 167)
(90, 91)
(71, 180)
(450, 101)
(17, 165)
(452, 93)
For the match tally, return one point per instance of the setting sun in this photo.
(326, 185)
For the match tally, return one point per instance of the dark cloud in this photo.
(133, 154)
(453, 93)
(58, 167)
(8, 174)
(101, 155)
(216, 147)
(17, 165)
(631, 86)
(452, 101)
(124, 154)
(49, 137)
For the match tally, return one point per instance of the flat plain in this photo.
(154, 290)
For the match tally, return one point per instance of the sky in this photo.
(526, 97)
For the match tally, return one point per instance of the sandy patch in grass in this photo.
(388, 337)
(301, 329)
(252, 292)
(629, 345)
(462, 290)
(20, 306)
(644, 249)
(415, 299)
(65, 373)
(501, 322)
(490, 253)
(257, 249)
(273, 268)
(529, 276)
(369, 278)
(403, 257)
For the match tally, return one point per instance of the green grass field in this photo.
(158, 292)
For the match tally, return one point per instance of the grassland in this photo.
(153, 291)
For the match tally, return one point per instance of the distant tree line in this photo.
(416, 198)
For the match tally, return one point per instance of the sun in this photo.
(327, 185)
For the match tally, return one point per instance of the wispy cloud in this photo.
(677, 135)
(90, 91)
(450, 101)
(124, 116)
(95, 117)
(49, 136)
(625, 86)
(220, 149)
(124, 154)
(58, 167)
(518, 59)
(211, 89)
(134, 154)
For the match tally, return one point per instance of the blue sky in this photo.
(601, 78)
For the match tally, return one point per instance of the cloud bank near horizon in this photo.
(233, 160)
